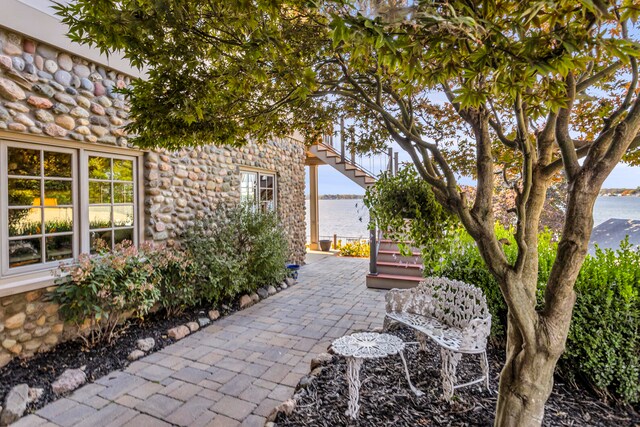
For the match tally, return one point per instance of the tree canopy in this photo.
(528, 93)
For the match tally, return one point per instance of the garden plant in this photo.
(533, 92)
(238, 251)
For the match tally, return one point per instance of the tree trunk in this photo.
(526, 382)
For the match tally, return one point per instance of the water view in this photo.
(349, 218)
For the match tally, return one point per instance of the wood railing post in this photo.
(342, 140)
(395, 161)
(373, 251)
(335, 241)
(390, 164)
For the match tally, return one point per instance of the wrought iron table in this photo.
(367, 345)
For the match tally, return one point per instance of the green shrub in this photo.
(358, 248)
(603, 346)
(177, 280)
(604, 339)
(98, 292)
(236, 252)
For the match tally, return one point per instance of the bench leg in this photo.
(386, 324)
(422, 340)
(450, 361)
(353, 380)
(484, 363)
(406, 370)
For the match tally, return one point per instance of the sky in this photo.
(330, 181)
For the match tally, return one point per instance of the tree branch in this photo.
(567, 148)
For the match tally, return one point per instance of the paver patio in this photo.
(235, 371)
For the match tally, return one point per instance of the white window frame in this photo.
(259, 174)
(85, 231)
(4, 197)
(41, 272)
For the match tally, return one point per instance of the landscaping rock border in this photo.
(140, 339)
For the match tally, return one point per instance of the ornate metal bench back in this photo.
(452, 302)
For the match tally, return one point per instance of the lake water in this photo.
(349, 218)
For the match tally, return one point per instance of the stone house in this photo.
(69, 175)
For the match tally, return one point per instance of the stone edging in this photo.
(316, 366)
(16, 401)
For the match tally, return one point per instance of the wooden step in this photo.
(388, 245)
(400, 269)
(397, 253)
(392, 281)
(392, 241)
(392, 258)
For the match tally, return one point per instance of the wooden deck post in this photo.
(313, 207)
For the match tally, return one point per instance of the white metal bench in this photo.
(453, 314)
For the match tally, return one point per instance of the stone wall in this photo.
(47, 92)
(192, 183)
(29, 324)
(50, 93)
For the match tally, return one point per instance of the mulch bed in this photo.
(43, 369)
(385, 398)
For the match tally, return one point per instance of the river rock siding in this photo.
(50, 93)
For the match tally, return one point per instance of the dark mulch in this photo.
(385, 398)
(43, 369)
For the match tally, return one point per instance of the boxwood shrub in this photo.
(603, 345)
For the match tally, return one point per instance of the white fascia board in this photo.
(38, 25)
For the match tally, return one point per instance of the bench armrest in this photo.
(475, 334)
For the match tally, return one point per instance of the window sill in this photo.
(25, 282)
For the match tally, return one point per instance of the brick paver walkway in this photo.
(235, 371)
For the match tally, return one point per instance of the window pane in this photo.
(248, 187)
(58, 220)
(25, 222)
(266, 195)
(57, 193)
(25, 252)
(99, 167)
(122, 193)
(57, 164)
(99, 217)
(100, 239)
(123, 234)
(24, 192)
(99, 192)
(123, 216)
(266, 181)
(122, 170)
(59, 247)
(23, 162)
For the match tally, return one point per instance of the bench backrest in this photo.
(452, 302)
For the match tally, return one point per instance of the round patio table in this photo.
(367, 345)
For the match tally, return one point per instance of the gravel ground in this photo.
(385, 399)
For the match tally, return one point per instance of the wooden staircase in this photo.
(395, 270)
(326, 154)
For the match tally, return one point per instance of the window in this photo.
(56, 203)
(259, 189)
(111, 200)
(40, 205)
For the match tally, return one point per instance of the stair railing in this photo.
(375, 237)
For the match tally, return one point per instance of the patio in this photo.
(237, 370)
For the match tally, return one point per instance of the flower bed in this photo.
(43, 369)
(385, 398)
